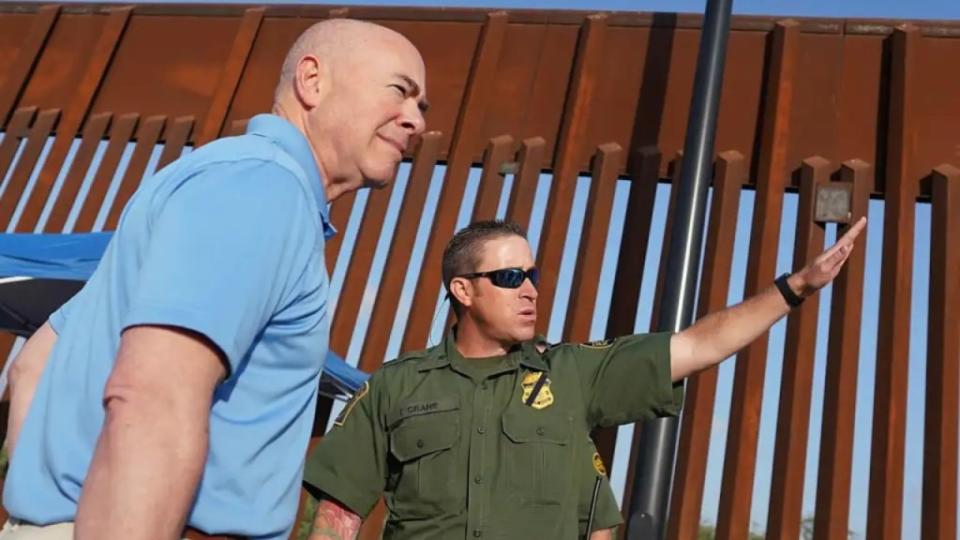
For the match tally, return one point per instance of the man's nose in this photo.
(412, 119)
(528, 290)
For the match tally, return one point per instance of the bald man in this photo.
(176, 391)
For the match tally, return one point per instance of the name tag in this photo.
(427, 406)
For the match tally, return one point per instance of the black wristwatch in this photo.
(791, 297)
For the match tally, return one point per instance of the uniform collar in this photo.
(436, 358)
(532, 357)
(292, 141)
(440, 355)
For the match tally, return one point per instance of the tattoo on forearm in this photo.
(334, 522)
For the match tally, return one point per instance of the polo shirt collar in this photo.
(292, 141)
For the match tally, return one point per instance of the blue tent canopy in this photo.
(50, 262)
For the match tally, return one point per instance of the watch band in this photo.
(791, 297)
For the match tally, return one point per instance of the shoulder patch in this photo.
(600, 344)
(598, 464)
(361, 392)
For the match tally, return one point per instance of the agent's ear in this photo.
(462, 290)
(311, 81)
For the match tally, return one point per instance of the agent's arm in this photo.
(334, 522)
(721, 334)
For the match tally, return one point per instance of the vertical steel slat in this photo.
(467, 137)
(37, 138)
(120, 133)
(697, 422)
(498, 152)
(92, 135)
(147, 136)
(16, 130)
(939, 505)
(739, 465)
(796, 384)
(885, 500)
(175, 138)
(401, 250)
(530, 160)
(573, 131)
(596, 224)
(230, 76)
(840, 385)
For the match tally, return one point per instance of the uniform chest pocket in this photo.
(423, 451)
(538, 455)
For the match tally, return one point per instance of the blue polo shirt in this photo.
(227, 241)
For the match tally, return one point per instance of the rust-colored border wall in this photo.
(219, 63)
(576, 96)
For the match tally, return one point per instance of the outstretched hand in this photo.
(828, 264)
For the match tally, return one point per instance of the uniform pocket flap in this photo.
(413, 441)
(525, 428)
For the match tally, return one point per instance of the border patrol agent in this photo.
(464, 445)
(485, 435)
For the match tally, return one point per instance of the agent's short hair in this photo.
(463, 251)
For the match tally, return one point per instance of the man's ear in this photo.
(310, 81)
(462, 290)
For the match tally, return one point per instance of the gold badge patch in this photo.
(342, 417)
(543, 397)
(601, 344)
(598, 464)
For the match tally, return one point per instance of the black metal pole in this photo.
(651, 483)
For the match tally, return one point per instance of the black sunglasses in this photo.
(508, 278)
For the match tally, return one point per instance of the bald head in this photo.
(338, 43)
(357, 91)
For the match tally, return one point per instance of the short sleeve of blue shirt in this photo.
(59, 317)
(226, 249)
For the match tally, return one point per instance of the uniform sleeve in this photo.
(224, 253)
(350, 463)
(627, 379)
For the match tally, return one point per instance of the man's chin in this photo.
(377, 183)
(381, 176)
(524, 333)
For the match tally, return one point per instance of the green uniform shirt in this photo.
(466, 451)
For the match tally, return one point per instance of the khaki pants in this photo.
(14, 530)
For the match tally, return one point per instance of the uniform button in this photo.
(481, 430)
(477, 533)
(483, 386)
(539, 430)
(420, 443)
(478, 479)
